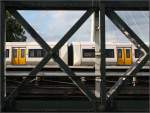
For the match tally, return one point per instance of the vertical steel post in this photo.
(2, 52)
(93, 27)
(100, 90)
(97, 52)
(102, 56)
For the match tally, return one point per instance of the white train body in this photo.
(80, 57)
(63, 52)
(80, 54)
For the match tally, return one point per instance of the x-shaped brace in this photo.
(51, 53)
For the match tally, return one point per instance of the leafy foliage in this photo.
(14, 31)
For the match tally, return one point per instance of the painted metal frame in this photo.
(106, 6)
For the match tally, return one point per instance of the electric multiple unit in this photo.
(74, 54)
(30, 53)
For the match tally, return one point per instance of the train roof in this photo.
(53, 43)
(28, 43)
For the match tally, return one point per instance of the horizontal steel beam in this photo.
(89, 68)
(79, 74)
(77, 4)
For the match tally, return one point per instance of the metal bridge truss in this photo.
(106, 7)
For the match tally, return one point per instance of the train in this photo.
(73, 54)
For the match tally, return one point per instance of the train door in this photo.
(120, 56)
(124, 56)
(18, 56)
(14, 56)
(128, 56)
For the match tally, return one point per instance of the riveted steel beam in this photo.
(77, 4)
(128, 32)
(52, 53)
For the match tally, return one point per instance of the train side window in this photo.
(119, 53)
(22, 53)
(88, 53)
(110, 53)
(39, 53)
(127, 53)
(43, 53)
(14, 53)
(7, 53)
(31, 52)
(138, 53)
(36, 53)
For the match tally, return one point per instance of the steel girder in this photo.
(68, 5)
(77, 4)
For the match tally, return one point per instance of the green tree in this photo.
(14, 30)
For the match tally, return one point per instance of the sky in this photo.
(52, 25)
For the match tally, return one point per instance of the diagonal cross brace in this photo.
(134, 69)
(52, 52)
(126, 30)
(75, 80)
(123, 27)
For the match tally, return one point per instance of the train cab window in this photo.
(88, 53)
(110, 53)
(127, 53)
(7, 53)
(36, 53)
(119, 53)
(138, 53)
